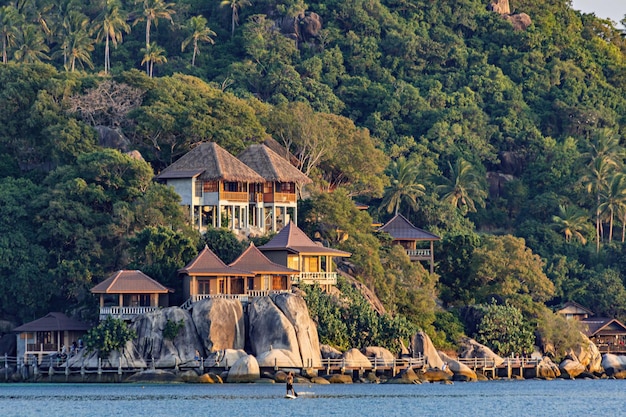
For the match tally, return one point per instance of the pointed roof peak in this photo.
(293, 239)
(252, 259)
(400, 228)
(207, 263)
(271, 166)
(129, 281)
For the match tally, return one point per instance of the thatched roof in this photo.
(271, 166)
(294, 240)
(252, 259)
(53, 322)
(401, 229)
(281, 150)
(129, 282)
(209, 265)
(210, 162)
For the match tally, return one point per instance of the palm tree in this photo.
(605, 144)
(153, 11)
(465, 188)
(77, 44)
(30, 45)
(405, 186)
(154, 54)
(235, 5)
(572, 222)
(199, 33)
(596, 182)
(10, 20)
(111, 24)
(613, 200)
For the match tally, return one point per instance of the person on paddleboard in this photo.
(290, 390)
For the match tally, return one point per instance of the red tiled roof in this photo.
(208, 264)
(129, 282)
(252, 259)
(292, 239)
(401, 229)
(53, 322)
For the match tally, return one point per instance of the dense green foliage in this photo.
(504, 330)
(172, 328)
(406, 106)
(109, 335)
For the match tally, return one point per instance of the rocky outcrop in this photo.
(588, 355)
(380, 355)
(571, 368)
(354, 358)
(613, 364)
(151, 344)
(246, 369)
(469, 348)
(520, 21)
(296, 311)
(407, 376)
(283, 322)
(128, 357)
(302, 27)
(220, 324)
(154, 376)
(460, 371)
(421, 344)
(546, 369)
(277, 358)
(329, 352)
(499, 6)
(228, 357)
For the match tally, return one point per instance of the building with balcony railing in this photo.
(292, 248)
(128, 293)
(409, 237)
(48, 335)
(255, 193)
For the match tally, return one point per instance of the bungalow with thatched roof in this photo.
(609, 335)
(292, 248)
(276, 202)
(268, 276)
(215, 186)
(207, 276)
(48, 335)
(405, 234)
(126, 294)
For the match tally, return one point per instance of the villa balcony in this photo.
(279, 198)
(240, 197)
(419, 254)
(321, 278)
(243, 298)
(124, 313)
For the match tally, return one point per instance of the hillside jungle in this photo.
(505, 140)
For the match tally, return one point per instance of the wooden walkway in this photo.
(510, 366)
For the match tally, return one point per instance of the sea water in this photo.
(489, 398)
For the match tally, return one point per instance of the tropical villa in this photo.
(405, 234)
(608, 334)
(292, 248)
(128, 293)
(256, 193)
(268, 276)
(48, 335)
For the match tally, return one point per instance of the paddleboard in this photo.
(290, 396)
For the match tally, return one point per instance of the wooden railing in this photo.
(279, 198)
(419, 253)
(321, 278)
(125, 313)
(243, 298)
(256, 197)
(234, 196)
(480, 363)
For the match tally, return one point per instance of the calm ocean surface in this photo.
(491, 398)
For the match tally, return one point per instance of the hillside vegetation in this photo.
(506, 141)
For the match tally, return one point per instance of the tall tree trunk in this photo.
(107, 63)
(148, 24)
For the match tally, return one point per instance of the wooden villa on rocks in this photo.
(405, 234)
(608, 334)
(268, 276)
(253, 194)
(292, 248)
(127, 293)
(47, 335)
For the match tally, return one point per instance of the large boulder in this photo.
(421, 344)
(460, 371)
(276, 358)
(571, 368)
(154, 376)
(270, 328)
(151, 344)
(295, 309)
(469, 348)
(220, 323)
(499, 6)
(228, 357)
(546, 369)
(613, 364)
(246, 369)
(520, 21)
(406, 376)
(329, 352)
(588, 355)
(379, 355)
(127, 357)
(354, 358)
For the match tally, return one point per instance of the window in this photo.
(204, 287)
(210, 186)
(250, 284)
